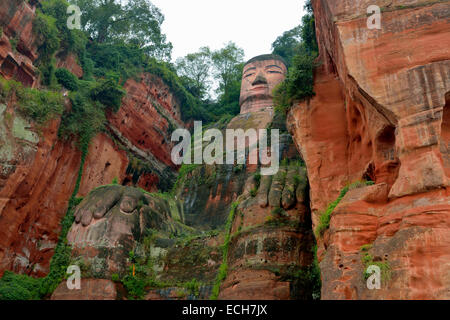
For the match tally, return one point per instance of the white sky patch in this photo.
(252, 24)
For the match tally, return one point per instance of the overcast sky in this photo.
(251, 24)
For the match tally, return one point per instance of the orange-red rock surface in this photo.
(91, 289)
(381, 113)
(70, 62)
(38, 172)
(34, 192)
(104, 163)
(148, 114)
(16, 19)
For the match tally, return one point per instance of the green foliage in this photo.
(39, 105)
(325, 218)
(299, 47)
(226, 62)
(226, 65)
(193, 287)
(124, 60)
(86, 119)
(46, 33)
(257, 178)
(70, 40)
(307, 281)
(67, 79)
(366, 247)
(287, 45)
(315, 276)
(115, 277)
(278, 212)
(299, 83)
(308, 31)
(135, 286)
(136, 22)
(224, 266)
(182, 173)
(18, 287)
(13, 42)
(115, 181)
(47, 72)
(368, 260)
(221, 276)
(195, 70)
(109, 93)
(191, 108)
(297, 179)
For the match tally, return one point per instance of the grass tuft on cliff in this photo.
(223, 270)
(368, 260)
(39, 105)
(325, 217)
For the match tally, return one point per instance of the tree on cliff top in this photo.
(226, 65)
(137, 22)
(299, 39)
(226, 62)
(300, 48)
(286, 45)
(195, 70)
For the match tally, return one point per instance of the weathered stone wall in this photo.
(380, 114)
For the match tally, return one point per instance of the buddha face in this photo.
(259, 79)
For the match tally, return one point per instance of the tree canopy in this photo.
(299, 47)
(195, 70)
(299, 39)
(137, 22)
(225, 65)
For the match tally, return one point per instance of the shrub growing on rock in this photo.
(67, 79)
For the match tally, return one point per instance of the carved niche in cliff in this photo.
(10, 68)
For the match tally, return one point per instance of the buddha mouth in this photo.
(260, 95)
(260, 87)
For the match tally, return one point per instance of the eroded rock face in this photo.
(38, 176)
(143, 125)
(38, 171)
(105, 162)
(91, 289)
(16, 19)
(112, 220)
(380, 114)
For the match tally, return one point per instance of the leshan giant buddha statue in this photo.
(261, 75)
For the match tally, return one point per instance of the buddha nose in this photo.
(260, 79)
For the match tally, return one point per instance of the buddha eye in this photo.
(273, 71)
(249, 75)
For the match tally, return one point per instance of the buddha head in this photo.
(261, 75)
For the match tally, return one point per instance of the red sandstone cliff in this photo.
(381, 113)
(38, 171)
